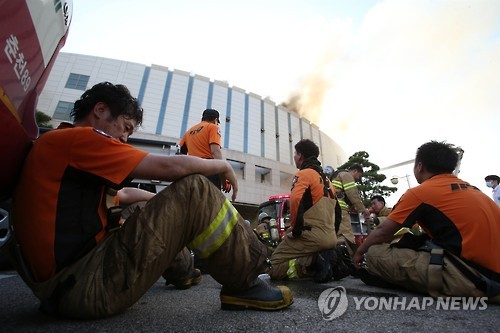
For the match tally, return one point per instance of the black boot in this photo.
(323, 265)
(373, 280)
(262, 295)
(343, 267)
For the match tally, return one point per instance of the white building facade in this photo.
(258, 136)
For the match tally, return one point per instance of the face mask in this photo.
(489, 184)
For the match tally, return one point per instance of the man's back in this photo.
(199, 138)
(457, 216)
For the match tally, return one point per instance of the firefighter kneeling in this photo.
(308, 249)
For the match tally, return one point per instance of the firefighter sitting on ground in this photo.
(78, 266)
(380, 211)
(309, 247)
(459, 256)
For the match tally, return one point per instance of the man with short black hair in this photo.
(380, 210)
(204, 140)
(308, 248)
(458, 256)
(83, 262)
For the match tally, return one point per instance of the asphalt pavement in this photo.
(337, 306)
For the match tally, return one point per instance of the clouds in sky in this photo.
(380, 76)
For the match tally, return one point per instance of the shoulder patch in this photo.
(295, 179)
(102, 133)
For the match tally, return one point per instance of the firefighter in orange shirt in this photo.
(203, 140)
(308, 249)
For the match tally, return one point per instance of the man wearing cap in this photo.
(203, 140)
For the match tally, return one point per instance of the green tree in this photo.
(42, 120)
(371, 180)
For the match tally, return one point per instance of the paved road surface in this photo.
(165, 309)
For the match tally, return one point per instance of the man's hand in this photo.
(358, 259)
(384, 233)
(228, 181)
(226, 186)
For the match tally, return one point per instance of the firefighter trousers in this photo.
(119, 270)
(411, 270)
(293, 257)
(182, 267)
(345, 235)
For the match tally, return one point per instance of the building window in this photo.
(63, 110)
(262, 175)
(239, 168)
(77, 81)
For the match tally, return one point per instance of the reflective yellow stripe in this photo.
(292, 270)
(349, 185)
(343, 204)
(403, 231)
(217, 232)
(337, 184)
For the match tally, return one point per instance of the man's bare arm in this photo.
(170, 168)
(130, 195)
(216, 151)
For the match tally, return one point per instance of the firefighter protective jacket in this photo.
(347, 192)
(382, 215)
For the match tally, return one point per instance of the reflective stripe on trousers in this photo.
(292, 270)
(217, 232)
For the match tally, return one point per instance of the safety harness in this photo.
(306, 201)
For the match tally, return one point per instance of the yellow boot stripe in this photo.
(217, 232)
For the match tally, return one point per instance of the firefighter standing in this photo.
(203, 140)
(349, 199)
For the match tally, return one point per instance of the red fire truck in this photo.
(278, 208)
(31, 35)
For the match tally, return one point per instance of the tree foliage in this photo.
(371, 180)
(42, 120)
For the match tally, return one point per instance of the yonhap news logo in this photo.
(333, 303)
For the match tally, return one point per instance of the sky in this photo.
(377, 76)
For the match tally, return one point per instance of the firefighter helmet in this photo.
(328, 171)
(262, 217)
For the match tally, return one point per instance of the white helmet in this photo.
(328, 171)
(262, 216)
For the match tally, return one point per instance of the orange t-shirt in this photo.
(60, 203)
(456, 215)
(199, 138)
